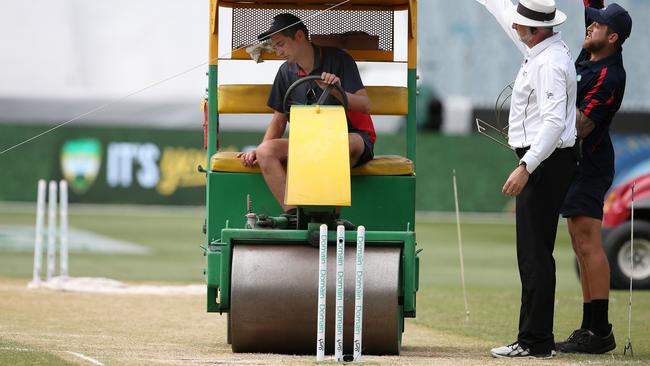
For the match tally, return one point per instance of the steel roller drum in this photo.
(274, 295)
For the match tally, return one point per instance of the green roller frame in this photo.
(385, 205)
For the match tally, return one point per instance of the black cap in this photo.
(617, 18)
(280, 22)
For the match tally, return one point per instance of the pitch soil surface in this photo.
(45, 327)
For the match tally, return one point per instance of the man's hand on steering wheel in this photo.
(248, 158)
(329, 83)
(328, 79)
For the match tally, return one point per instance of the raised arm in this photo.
(502, 11)
(596, 4)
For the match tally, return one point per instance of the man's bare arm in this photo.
(277, 126)
(584, 125)
(275, 130)
(358, 102)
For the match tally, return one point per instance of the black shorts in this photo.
(586, 196)
(368, 150)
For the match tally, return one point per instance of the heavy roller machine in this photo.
(264, 276)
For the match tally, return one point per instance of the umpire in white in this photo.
(542, 133)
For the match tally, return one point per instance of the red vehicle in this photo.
(617, 228)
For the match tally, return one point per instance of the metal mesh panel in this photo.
(249, 23)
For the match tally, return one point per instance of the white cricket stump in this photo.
(340, 266)
(51, 230)
(57, 232)
(322, 294)
(358, 293)
(38, 240)
(63, 229)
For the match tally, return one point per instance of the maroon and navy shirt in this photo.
(601, 85)
(326, 59)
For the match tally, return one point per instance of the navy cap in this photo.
(617, 18)
(280, 22)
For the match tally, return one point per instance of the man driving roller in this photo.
(290, 40)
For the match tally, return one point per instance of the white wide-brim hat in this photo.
(537, 13)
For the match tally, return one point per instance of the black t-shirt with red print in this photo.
(326, 59)
(601, 86)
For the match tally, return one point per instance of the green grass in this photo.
(173, 234)
(493, 290)
(15, 354)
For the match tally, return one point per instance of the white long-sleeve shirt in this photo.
(542, 105)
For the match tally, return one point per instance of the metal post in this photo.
(460, 247)
(628, 344)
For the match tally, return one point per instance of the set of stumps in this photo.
(322, 294)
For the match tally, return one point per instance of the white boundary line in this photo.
(17, 349)
(86, 358)
(79, 355)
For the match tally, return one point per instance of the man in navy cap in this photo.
(290, 40)
(601, 84)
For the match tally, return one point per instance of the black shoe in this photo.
(585, 341)
(572, 339)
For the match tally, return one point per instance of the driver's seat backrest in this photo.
(252, 98)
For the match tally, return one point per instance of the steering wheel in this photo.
(323, 97)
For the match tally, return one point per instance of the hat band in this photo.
(535, 15)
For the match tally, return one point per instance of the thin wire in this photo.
(498, 107)
(108, 104)
(482, 128)
(628, 345)
(103, 106)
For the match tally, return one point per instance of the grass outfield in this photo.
(42, 327)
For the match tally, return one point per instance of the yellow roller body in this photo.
(318, 166)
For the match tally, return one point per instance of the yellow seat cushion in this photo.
(227, 161)
(385, 165)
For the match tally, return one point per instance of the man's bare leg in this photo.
(356, 148)
(594, 271)
(586, 232)
(272, 159)
(584, 281)
(584, 274)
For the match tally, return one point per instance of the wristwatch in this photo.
(523, 163)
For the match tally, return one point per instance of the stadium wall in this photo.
(159, 166)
